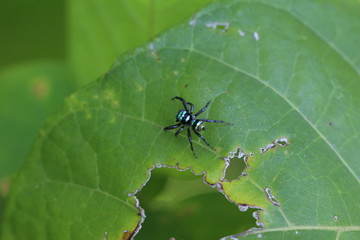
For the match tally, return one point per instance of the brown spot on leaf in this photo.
(40, 87)
(4, 187)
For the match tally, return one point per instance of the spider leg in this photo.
(183, 102)
(179, 131)
(172, 127)
(190, 141)
(200, 136)
(192, 107)
(216, 121)
(202, 110)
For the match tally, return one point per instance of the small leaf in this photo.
(288, 86)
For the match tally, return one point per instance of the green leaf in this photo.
(28, 94)
(286, 78)
(101, 31)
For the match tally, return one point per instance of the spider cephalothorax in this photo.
(188, 120)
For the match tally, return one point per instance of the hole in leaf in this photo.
(237, 164)
(271, 197)
(179, 205)
(267, 147)
(223, 27)
(282, 142)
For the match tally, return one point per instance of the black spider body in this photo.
(184, 117)
(187, 119)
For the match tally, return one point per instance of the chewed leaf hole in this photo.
(237, 164)
(220, 26)
(172, 198)
(282, 142)
(271, 197)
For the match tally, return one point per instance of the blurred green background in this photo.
(34, 76)
(32, 30)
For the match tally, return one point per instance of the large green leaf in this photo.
(287, 76)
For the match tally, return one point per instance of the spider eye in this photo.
(202, 128)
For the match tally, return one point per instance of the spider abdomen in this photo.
(197, 125)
